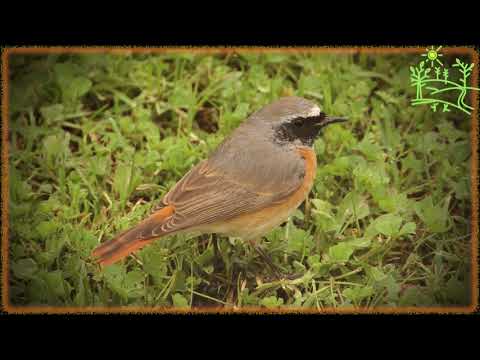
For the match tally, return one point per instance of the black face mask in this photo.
(305, 129)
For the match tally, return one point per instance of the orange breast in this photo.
(253, 225)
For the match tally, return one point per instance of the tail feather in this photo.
(133, 239)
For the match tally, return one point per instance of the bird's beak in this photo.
(331, 120)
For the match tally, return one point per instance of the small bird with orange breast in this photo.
(249, 185)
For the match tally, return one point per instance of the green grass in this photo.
(97, 140)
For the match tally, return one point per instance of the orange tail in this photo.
(133, 239)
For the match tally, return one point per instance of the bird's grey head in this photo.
(295, 119)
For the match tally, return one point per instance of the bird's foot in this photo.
(277, 272)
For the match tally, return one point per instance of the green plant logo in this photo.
(434, 81)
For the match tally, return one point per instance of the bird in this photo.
(250, 184)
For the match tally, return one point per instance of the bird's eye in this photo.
(298, 122)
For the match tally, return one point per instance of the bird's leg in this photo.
(218, 263)
(215, 245)
(276, 270)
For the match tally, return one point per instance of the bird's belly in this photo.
(252, 226)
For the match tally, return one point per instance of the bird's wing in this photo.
(215, 191)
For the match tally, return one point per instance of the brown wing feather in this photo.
(206, 195)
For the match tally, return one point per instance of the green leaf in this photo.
(52, 113)
(45, 188)
(53, 246)
(353, 207)
(458, 291)
(56, 148)
(73, 266)
(408, 228)
(206, 257)
(393, 288)
(134, 278)
(390, 200)
(428, 143)
(340, 166)
(100, 166)
(114, 276)
(319, 146)
(387, 97)
(358, 293)
(47, 228)
(37, 290)
(154, 263)
(179, 300)
(271, 302)
(114, 272)
(24, 268)
(388, 224)
(121, 181)
(411, 162)
(369, 148)
(313, 260)
(298, 266)
(64, 73)
(79, 87)
(299, 240)
(340, 252)
(180, 281)
(80, 298)
(370, 177)
(337, 135)
(449, 132)
(359, 243)
(377, 274)
(71, 83)
(462, 188)
(55, 283)
(434, 216)
(275, 58)
(323, 215)
(414, 296)
(297, 214)
(182, 96)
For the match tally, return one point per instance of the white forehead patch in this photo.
(314, 111)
